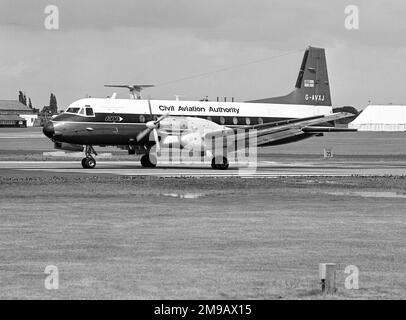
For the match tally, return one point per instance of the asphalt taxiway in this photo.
(260, 169)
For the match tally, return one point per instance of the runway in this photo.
(265, 169)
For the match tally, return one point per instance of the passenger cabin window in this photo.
(247, 121)
(222, 120)
(235, 120)
(260, 121)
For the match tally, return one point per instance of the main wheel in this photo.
(88, 163)
(91, 163)
(148, 161)
(219, 163)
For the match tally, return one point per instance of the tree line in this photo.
(52, 108)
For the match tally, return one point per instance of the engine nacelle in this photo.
(176, 125)
(192, 141)
(171, 141)
(187, 132)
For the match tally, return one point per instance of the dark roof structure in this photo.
(14, 105)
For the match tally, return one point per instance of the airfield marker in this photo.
(327, 273)
(328, 153)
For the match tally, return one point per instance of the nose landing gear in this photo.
(219, 163)
(89, 162)
(148, 161)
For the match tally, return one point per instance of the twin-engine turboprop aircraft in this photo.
(138, 124)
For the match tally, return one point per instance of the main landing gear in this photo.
(219, 163)
(89, 162)
(148, 161)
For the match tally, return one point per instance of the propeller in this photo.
(152, 126)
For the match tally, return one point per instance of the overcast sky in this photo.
(159, 41)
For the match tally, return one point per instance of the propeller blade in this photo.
(149, 105)
(161, 118)
(158, 147)
(152, 125)
(150, 112)
(142, 134)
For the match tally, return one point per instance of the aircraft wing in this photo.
(274, 131)
(315, 129)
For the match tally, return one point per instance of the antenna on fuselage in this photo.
(135, 89)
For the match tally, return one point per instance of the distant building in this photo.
(15, 114)
(46, 110)
(12, 121)
(13, 107)
(381, 118)
(31, 119)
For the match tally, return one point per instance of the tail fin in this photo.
(312, 86)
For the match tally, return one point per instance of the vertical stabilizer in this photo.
(312, 86)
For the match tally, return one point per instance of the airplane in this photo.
(135, 89)
(143, 126)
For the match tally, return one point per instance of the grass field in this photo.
(232, 238)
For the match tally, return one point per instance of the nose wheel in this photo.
(148, 161)
(89, 162)
(219, 163)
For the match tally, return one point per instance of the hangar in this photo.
(15, 114)
(381, 118)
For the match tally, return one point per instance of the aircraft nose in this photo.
(49, 129)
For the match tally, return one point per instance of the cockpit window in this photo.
(89, 112)
(72, 110)
(82, 111)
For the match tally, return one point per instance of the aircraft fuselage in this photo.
(118, 121)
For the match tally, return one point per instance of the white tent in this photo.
(381, 118)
